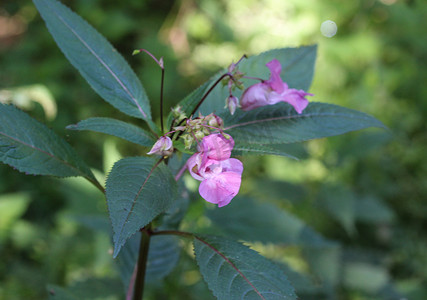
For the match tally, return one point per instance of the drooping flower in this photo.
(219, 174)
(272, 91)
(163, 147)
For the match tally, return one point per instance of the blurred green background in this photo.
(365, 190)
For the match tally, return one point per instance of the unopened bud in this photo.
(163, 147)
(214, 121)
(178, 114)
(199, 134)
(232, 104)
(188, 140)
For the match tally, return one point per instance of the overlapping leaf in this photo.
(254, 222)
(281, 124)
(117, 128)
(99, 63)
(233, 271)
(31, 147)
(136, 193)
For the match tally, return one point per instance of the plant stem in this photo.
(142, 263)
(161, 98)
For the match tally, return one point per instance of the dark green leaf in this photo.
(31, 147)
(373, 210)
(136, 193)
(248, 220)
(117, 128)
(99, 63)
(281, 124)
(234, 271)
(339, 203)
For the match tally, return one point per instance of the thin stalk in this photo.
(142, 263)
(203, 99)
(161, 95)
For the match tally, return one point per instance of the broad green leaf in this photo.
(137, 192)
(245, 149)
(339, 203)
(365, 277)
(234, 271)
(297, 71)
(163, 255)
(325, 263)
(31, 147)
(281, 124)
(248, 220)
(98, 62)
(373, 210)
(117, 128)
(176, 212)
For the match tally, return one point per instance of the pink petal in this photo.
(217, 147)
(194, 164)
(275, 82)
(296, 98)
(255, 96)
(220, 189)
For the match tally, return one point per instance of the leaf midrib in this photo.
(101, 61)
(294, 117)
(44, 152)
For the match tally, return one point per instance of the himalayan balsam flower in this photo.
(272, 91)
(220, 175)
(162, 147)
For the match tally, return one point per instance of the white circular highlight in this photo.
(328, 28)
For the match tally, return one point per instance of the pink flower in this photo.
(220, 175)
(272, 91)
(162, 147)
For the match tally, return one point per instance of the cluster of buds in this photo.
(196, 129)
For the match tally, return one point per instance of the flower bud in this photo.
(199, 135)
(163, 147)
(188, 140)
(232, 104)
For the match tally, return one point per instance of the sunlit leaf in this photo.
(117, 128)
(31, 147)
(234, 271)
(97, 61)
(137, 192)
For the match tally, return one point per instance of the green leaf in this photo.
(31, 147)
(365, 277)
(248, 220)
(371, 209)
(297, 71)
(339, 203)
(117, 128)
(98, 62)
(234, 271)
(281, 124)
(137, 191)
(163, 256)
